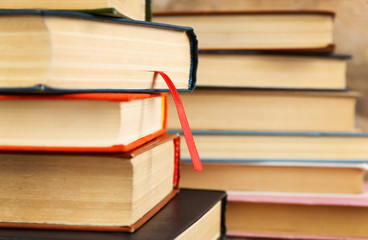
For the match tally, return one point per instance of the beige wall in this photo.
(351, 32)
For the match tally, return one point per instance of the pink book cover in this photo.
(263, 236)
(357, 200)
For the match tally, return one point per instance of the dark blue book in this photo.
(64, 51)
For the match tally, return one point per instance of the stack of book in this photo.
(275, 124)
(83, 119)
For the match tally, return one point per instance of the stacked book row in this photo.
(274, 122)
(84, 151)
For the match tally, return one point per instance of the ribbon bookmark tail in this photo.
(184, 123)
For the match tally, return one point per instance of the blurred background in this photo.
(351, 35)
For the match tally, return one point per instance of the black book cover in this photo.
(178, 215)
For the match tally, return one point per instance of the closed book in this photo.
(225, 109)
(301, 31)
(92, 122)
(323, 162)
(251, 69)
(65, 51)
(276, 146)
(297, 216)
(191, 214)
(88, 191)
(287, 177)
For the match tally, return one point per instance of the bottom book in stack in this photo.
(88, 191)
(191, 214)
(297, 216)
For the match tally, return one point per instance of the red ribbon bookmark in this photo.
(184, 123)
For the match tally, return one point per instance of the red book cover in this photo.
(53, 122)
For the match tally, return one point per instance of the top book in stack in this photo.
(139, 10)
(310, 31)
(65, 51)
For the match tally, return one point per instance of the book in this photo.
(139, 10)
(235, 5)
(85, 122)
(64, 51)
(292, 177)
(251, 69)
(272, 110)
(297, 216)
(253, 146)
(191, 214)
(88, 191)
(258, 30)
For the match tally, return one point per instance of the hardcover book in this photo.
(258, 30)
(88, 191)
(92, 122)
(292, 177)
(139, 10)
(251, 69)
(64, 51)
(267, 110)
(191, 214)
(297, 216)
(254, 146)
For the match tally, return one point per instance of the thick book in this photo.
(267, 110)
(139, 10)
(297, 216)
(251, 69)
(255, 146)
(259, 30)
(92, 122)
(65, 51)
(88, 191)
(191, 214)
(292, 177)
